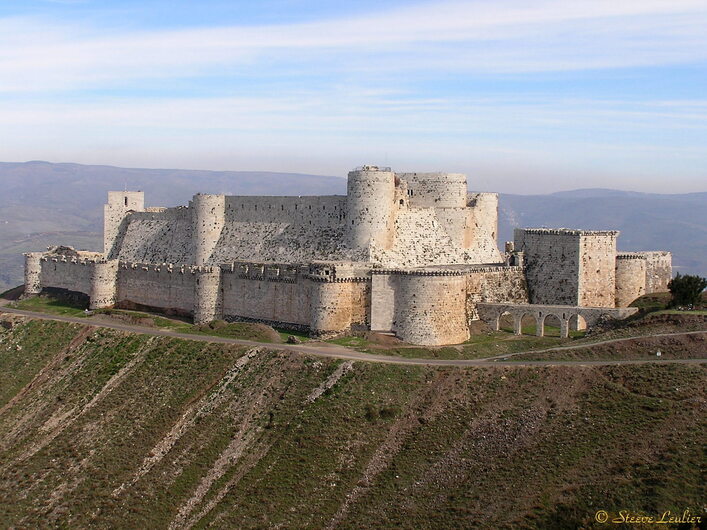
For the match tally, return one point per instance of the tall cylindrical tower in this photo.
(207, 295)
(33, 273)
(208, 218)
(369, 203)
(104, 276)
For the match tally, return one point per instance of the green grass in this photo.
(44, 304)
(409, 446)
(235, 330)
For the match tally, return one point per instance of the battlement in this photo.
(631, 255)
(166, 267)
(569, 232)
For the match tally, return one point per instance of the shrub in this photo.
(686, 290)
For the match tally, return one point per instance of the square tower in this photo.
(119, 204)
(569, 267)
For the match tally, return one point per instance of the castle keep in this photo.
(410, 253)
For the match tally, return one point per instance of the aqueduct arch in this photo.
(491, 314)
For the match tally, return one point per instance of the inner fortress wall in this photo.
(315, 211)
(597, 269)
(495, 285)
(630, 278)
(156, 237)
(482, 228)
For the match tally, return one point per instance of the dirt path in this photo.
(339, 352)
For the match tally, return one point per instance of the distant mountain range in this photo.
(44, 203)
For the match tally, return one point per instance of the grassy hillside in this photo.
(109, 429)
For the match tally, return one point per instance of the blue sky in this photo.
(522, 96)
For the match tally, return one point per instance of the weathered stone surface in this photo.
(413, 253)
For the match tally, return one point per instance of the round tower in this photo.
(331, 307)
(207, 295)
(33, 273)
(104, 276)
(630, 278)
(208, 218)
(430, 308)
(369, 202)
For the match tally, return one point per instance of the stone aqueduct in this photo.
(570, 317)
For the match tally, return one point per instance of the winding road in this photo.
(334, 351)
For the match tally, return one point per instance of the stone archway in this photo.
(552, 325)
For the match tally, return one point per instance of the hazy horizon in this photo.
(525, 99)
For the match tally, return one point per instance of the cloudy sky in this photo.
(526, 96)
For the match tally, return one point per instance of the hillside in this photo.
(44, 204)
(110, 429)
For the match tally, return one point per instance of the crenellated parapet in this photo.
(569, 232)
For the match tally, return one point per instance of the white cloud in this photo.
(479, 36)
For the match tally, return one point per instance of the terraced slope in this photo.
(110, 429)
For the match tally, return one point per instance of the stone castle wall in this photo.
(435, 190)
(659, 270)
(437, 222)
(495, 285)
(159, 286)
(435, 306)
(267, 293)
(119, 204)
(156, 237)
(67, 273)
(597, 269)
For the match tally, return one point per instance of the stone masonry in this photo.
(410, 253)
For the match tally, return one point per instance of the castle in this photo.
(414, 254)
